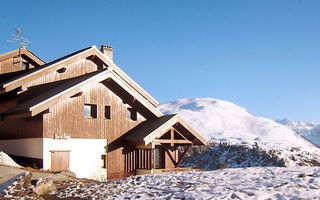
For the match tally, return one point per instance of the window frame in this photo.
(132, 114)
(93, 111)
(107, 112)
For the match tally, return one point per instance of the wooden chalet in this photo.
(82, 113)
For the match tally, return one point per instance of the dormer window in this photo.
(132, 114)
(90, 111)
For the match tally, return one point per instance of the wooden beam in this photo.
(180, 134)
(150, 157)
(172, 136)
(166, 141)
(183, 155)
(171, 158)
(189, 128)
(96, 60)
(154, 158)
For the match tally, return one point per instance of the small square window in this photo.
(131, 114)
(107, 112)
(90, 110)
(25, 65)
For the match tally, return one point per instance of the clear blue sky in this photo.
(262, 55)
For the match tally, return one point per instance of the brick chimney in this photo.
(107, 50)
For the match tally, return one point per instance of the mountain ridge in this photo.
(234, 133)
(309, 130)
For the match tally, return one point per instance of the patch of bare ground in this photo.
(54, 197)
(41, 184)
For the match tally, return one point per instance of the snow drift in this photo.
(5, 160)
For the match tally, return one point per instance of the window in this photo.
(131, 114)
(25, 65)
(90, 111)
(104, 161)
(107, 113)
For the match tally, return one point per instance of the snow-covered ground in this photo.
(238, 183)
(223, 121)
(309, 130)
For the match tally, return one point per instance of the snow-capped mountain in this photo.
(309, 130)
(223, 121)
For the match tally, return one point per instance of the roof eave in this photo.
(149, 138)
(121, 73)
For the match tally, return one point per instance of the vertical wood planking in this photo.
(67, 117)
(73, 70)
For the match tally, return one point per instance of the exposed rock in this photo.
(19, 188)
(44, 186)
(68, 173)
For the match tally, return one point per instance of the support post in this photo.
(183, 155)
(172, 136)
(154, 158)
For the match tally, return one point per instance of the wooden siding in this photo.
(72, 70)
(21, 128)
(12, 65)
(67, 117)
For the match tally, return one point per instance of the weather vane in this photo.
(17, 38)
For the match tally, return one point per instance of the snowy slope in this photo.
(309, 130)
(247, 183)
(223, 121)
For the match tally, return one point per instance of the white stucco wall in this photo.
(85, 155)
(30, 147)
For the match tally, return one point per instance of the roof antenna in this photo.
(17, 38)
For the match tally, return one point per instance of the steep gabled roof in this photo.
(24, 52)
(20, 80)
(90, 53)
(150, 130)
(68, 88)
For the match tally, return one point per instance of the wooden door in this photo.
(60, 160)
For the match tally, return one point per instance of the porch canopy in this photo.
(168, 129)
(155, 143)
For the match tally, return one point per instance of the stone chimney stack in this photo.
(107, 50)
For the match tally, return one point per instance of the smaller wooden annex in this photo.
(82, 113)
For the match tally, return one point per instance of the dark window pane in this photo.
(107, 113)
